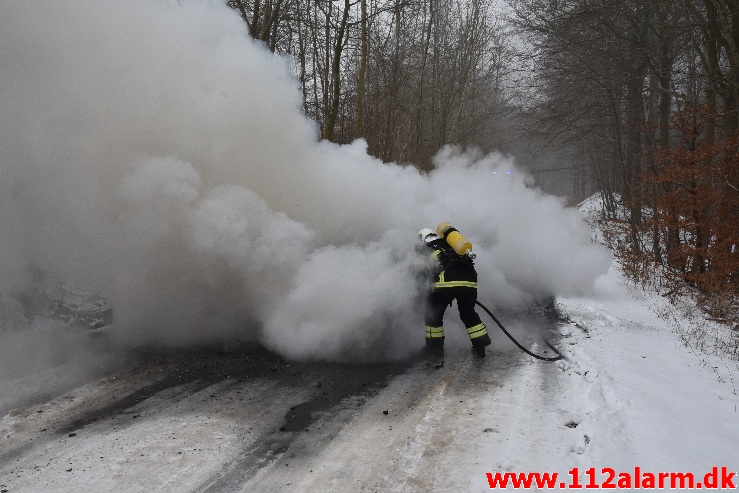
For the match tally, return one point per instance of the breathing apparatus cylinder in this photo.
(454, 238)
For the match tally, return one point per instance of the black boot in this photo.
(479, 351)
(434, 347)
(482, 341)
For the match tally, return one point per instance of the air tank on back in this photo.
(454, 238)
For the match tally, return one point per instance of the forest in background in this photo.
(635, 100)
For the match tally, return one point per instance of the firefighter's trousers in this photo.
(437, 302)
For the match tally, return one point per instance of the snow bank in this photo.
(644, 399)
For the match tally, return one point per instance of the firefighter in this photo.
(453, 278)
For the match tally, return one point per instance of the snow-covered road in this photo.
(247, 420)
(244, 420)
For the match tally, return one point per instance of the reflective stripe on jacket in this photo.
(443, 283)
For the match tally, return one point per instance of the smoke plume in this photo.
(157, 157)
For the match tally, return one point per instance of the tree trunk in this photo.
(362, 72)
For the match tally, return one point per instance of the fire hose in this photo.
(543, 358)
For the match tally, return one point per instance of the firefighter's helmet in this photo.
(427, 235)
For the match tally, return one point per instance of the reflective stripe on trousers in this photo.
(478, 330)
(434, 332)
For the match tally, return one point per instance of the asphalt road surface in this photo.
(242, 419)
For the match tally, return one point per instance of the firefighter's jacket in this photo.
(447, 269)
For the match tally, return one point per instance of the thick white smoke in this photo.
(156, 156)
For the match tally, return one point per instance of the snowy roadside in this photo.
(645, 400)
